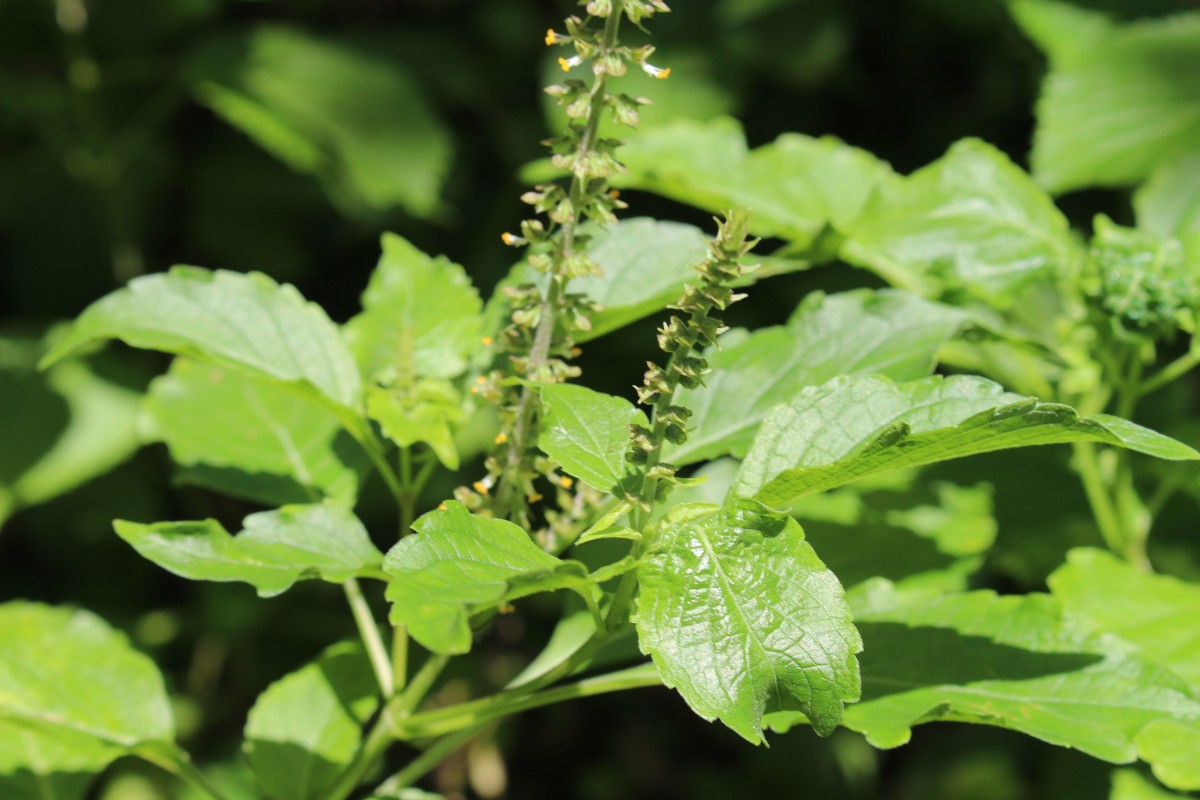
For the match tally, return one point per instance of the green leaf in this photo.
(855, 333)
(971, 221)
(59, 430)
(421, 316)
(244, 322)
(1119, 100)
(276, 548)
(249, 437)
(645, 264)
(1173, 751)
(796, 185)
(587, 433)
(306, 727)
(460, 563)
(1155, 612)
(1169, 202)
(1013, 662)
(356, 121)
(854, 427)
(1128, 784)
(741, 616)
(73, 696)
(422, 413)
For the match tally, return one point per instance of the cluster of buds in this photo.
(682, 340)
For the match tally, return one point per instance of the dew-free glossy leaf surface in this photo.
(1016, 662)
(305, 728)
(459, 563)
(249, 437)
(972, 219)
(862, 332)
(1169, 201)
(587, 433)
(36, 765)
(854, 427)
(354, 120)
(741, 617)
(421, 315)
(1119, 100)
(275, 549)
(242, 321)
(66, 674)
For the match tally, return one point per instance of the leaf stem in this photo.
(177, 763)
(428, 759)
(1105, 513)
(1171, 372)
(369, 631)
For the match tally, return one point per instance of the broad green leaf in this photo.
(854, 427)
(421, 316)
(249, 437)
(306, 727)
(587, 433)
(59, 430)
(741, 617)
(1016, 662)
(357, 122)
(245, 322)
(422, 413)
(1119, 100)
(1173, 751)
(73, 696)
(459, 563)
(1128, 784)
(796, 186)
(1169, 202)
(645, 264)
(972, 220)
(276, 548)
(888, 332)
(1157, 613)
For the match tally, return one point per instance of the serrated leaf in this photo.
(73, 697)
(741, 617)
(354, 120)
(1169, 201)
(459, 563)
(888, 332)
(245, 322)
(587, 433)
(850, 428)
(424, 413)
(276, 548)
(249, 437)
(1155, 612)
(1014, 662)
(796, 185)
(421, 316)
(1173, 752)
(1119, 100)
(306, 727)
(971, 220)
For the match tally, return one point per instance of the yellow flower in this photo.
(656, 72)
(568, 63)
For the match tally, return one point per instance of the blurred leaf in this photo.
(862, 332)
(250, 438)
(1128, 784)
(971, 221)
(794, 186)
(425, 413)
(1169, 201)
(357, 122)
(853, 427)
(1155, 612)
(73, 697)
(420, 316)
(1014, 662)
(1173, 751)
(741, 617)
(276, 549)
(459, 563)
(1119, 100)
(587, 433)
(243, 321)
(306, 727)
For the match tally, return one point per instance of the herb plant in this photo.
(673, 528)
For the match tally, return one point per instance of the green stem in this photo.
(433, 755)
(372, 640)
(472, 714)
(420, 684)
(1107, 518)
(178, 764)
(400, 656)
(362, 433)
(1171, 372)
(373, 747)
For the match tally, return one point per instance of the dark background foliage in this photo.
(109, 167)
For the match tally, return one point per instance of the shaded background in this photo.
(126, 146)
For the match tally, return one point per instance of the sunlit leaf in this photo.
(587, 433)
